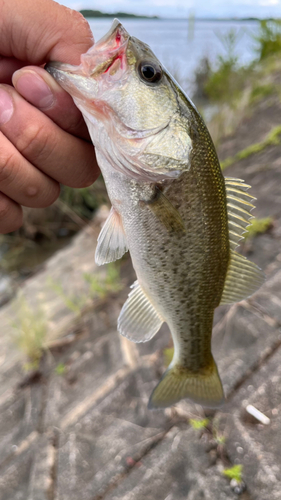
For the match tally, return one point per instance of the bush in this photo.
(227, 79)
(269, 38)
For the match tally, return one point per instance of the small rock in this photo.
(237, 487)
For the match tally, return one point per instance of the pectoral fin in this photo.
(112, 240)
(138, 321)
(165, 212)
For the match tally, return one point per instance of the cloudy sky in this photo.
(179, 8)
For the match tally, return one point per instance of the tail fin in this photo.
(177, 383)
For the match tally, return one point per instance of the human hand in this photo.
(43, 138)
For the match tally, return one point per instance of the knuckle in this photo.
(78, 21)
(51, 197)
(77, 16)
(7, 167)
(35, 142)
(5, 208)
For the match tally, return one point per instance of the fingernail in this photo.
(6, 107)
(33, 88)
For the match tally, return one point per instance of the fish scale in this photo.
(171, 207)
(174, 297)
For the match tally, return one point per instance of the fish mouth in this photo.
(72, 79)
(112, 45)
(106, 56)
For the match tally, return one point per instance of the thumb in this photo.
(47, 31)
(42, 91)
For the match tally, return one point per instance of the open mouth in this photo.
(103, 55)
(106, 56)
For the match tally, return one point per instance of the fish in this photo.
(172, 208)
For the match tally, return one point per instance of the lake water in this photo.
(181, 48)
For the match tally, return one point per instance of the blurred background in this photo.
(73, 396)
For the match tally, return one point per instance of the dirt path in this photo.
(84, 432)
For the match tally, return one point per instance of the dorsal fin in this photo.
(239, 209)
(243, 277)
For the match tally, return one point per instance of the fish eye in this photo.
(150, 72)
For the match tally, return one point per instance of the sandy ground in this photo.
(85, 433)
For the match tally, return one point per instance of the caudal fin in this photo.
(178, 383)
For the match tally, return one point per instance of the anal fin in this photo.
(138, 320)
(112, 240)
(243, 278)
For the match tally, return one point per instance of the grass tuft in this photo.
(30, 333)
(100, 287)
(60, 369)
(269, 38)
(261, 91)
(258, 226)
(72, 302)
(200, 423)
(234, 472)
(272, 138)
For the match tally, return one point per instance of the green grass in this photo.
(30, 328)
(72, 302)
(60, 369)
(234, 472)
(261, 91)
(220, 439)
(217, 435)
(101, 286)
(198, 424)
(269, 39)
(226, 79)
(84, 201)
(272, 138)
(258, 226)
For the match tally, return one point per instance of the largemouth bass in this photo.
(171, 207)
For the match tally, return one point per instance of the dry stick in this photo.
(130, 352)
(66, 209)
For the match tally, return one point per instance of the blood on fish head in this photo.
(122, 85)
(103, 64)
(103, 55)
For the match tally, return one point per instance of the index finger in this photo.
(42, 32)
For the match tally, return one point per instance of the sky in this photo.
(182, 8)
